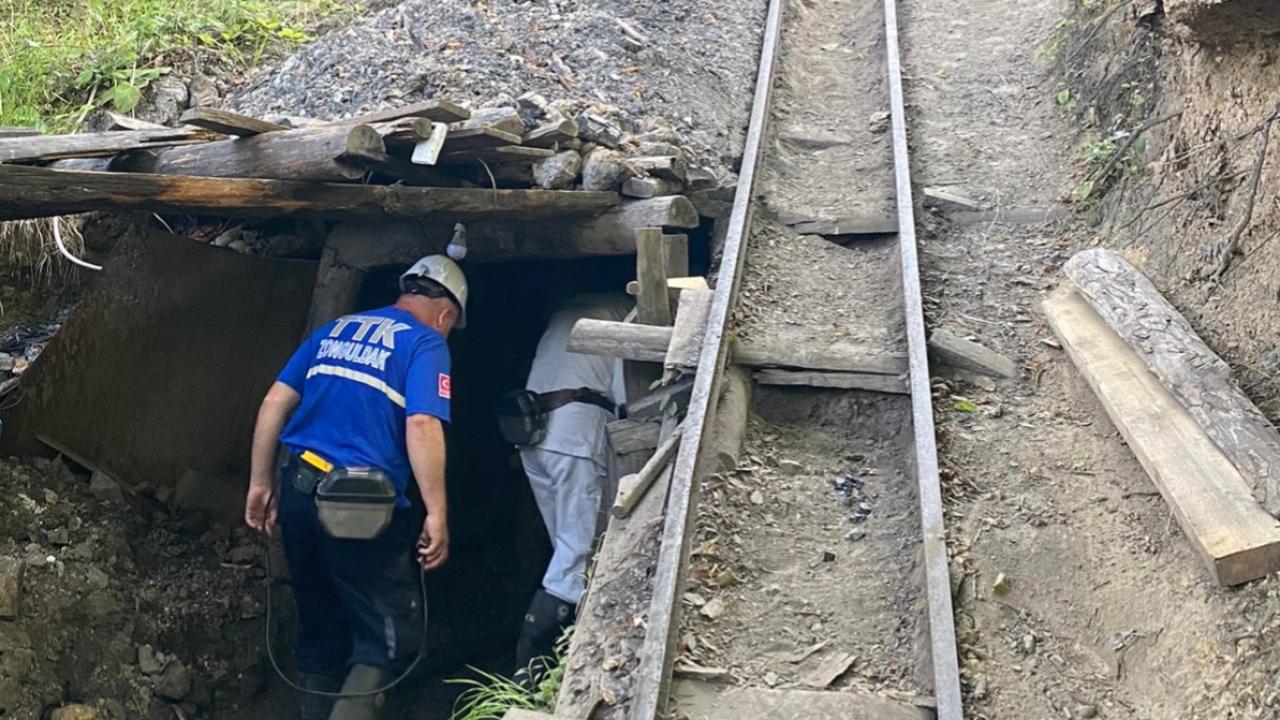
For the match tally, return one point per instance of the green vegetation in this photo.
(490, 697)
(60, 59)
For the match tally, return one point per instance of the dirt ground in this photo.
(1109, 611)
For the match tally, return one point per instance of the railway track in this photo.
(793, 171)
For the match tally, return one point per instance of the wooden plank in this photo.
(845, 225)
(427, 151)
(951, 349)
(647, 343)
(1237, 539)
(480, 137)
(688, 331)
(654, 404)
(653, 305)
(44, 148)
(942, 632)
(27, 192)
(434, 110)
(227, 123)
(653, 676)
(675, 284)
(500, 154)
(892, 384)
(708, 701)
(633, 487)
(116, 121)
(630, 435)
(18, 131)
(1191, 371)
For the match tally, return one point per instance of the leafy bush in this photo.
(59, 59)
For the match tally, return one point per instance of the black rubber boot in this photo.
(545, 621)
(361, 679)
(316, 707)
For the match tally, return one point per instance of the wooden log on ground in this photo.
(732, 413)
(1237, 539)
(403, 134)
(434, 110)
(227, 123)
(45, 148)
(687, 332)
(649, 343)
(892, 384)
(633, 487)
(1185, 364)
(551, 135)
(318, 154)
(950, 349)
(653, 306)
(27, 192)
(398, 169)
(335, 291)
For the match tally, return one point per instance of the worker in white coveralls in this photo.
(567, 465)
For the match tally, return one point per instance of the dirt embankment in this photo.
(1198, 206)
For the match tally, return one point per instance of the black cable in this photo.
(271, 655)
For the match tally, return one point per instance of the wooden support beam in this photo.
(950, 349)
(732, 414)
(403, 134)
(631, 435)
(678, 256)
(335, 291)
(688, 331)
(17, 131)
(317, 154)
(653, 306)
(1187, 367)
(675, 284)
(648, 343)
(427, 151)
(434, 110)
(116, 121)
(45, 148)
(892, 384)
(656, 402)
(27, 192)
(227, 123)
(1237, 539)
(500, 154)
(502, 119)
(633, 487)
(460, 139)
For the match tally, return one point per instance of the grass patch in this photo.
(60, 59)
(490, 697)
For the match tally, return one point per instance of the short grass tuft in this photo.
(490, 697)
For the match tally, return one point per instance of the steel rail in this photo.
(657, 653)
(942, 631)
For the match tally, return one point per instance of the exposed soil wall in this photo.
(1190, 210)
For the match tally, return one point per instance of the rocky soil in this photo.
(114, 606)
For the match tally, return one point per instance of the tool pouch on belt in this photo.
(351, 503)
(522, 414)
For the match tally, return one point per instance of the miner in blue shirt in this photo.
(369, 390)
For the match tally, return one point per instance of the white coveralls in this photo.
(567, 470)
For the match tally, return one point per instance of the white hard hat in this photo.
(446, 272)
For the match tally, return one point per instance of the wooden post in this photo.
(336, 289)
(677, 255)
(732, 414)
(653, 306)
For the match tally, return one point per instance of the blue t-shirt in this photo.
(360, 376)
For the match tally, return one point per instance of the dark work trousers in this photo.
(359, 601)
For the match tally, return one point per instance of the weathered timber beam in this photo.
(1193, 373)
(494, 240)
(891, 384)
(732, 412)
(44, 148)
(308, 154)
(649, 343)
(653, 305)
(28, 192)
(434, 110)
(227, 123)
(633, 487)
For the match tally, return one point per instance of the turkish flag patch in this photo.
(446, 387)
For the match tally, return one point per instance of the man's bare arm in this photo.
(280, 402)
(424, 437)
